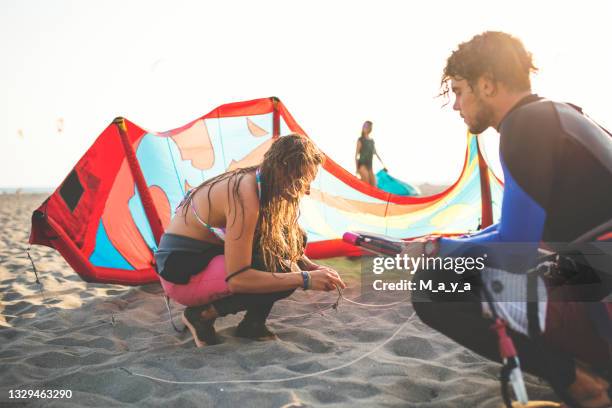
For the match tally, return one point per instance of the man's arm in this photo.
(490, 228)
(515, 239)
(530, 157)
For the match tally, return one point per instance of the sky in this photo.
(334, 64)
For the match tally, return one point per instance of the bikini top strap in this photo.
(218, 232)
(186, 198)
(195, 211)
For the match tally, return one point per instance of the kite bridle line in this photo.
(333, 306)
(285, 379)
(276, 380)
(320, 311)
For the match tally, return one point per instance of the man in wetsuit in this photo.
(557, 167)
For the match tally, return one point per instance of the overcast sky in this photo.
(333, 63)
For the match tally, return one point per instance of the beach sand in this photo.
(94, 339)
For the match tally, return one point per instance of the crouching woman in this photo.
(234, 243)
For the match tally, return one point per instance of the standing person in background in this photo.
(364, 154)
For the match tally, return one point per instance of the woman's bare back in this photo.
(213, 213)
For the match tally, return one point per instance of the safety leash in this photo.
(510, 372)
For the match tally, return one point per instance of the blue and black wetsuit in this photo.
(557, 167)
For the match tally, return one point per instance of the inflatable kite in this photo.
(108, 214)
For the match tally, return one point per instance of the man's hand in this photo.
(414, 248)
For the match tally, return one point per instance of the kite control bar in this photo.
(378, 244)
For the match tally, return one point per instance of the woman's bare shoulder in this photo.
(247, 189)
(222, 193)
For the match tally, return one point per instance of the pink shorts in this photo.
(203, 288)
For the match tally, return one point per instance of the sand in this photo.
(96, 340)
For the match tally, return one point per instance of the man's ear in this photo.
(488, 85)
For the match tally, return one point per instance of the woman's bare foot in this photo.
(200, 321)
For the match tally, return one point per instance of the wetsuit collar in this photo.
(527, 99)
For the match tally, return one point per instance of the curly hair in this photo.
(494, 53)
(287, 170)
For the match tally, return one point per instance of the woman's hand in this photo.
(324, 278)
(306, 264)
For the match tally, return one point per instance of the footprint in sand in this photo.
(56, 359)
(415, 347)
